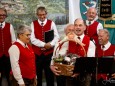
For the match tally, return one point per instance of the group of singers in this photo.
(23, 64)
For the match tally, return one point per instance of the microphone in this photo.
(93, 41)
(96, 53)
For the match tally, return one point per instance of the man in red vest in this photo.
(7, 37)
(62, 50)
(22, 59)
(43, 49)
(92, 26)
(83, 79)
(79, 28)
(104, 49)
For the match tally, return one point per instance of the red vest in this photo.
(91, 31)
(5, 40)
(26, 61)
(77, 49)
(39, 34)
(101, 53)
(108, 52)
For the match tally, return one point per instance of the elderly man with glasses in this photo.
(7, 37)
(22, 59)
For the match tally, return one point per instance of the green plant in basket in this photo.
(59, 59)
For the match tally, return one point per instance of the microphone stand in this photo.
(96, 68)
(96, 55)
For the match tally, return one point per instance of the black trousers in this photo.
(5, 68)
(27, 82)
(84, 79)
(43, 64)
(66, 81)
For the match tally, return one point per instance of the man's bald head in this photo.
(91, 13)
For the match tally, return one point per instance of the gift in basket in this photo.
(65, 62)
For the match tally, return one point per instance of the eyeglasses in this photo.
(41, 14)
(28, 35)
(4, 15)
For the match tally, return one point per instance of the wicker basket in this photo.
(66, 70)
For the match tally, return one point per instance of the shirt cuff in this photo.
(43, 44)
(52, 62)
(52, 44)
(20, 81)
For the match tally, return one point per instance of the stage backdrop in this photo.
(24, 11)
(78, 8)
(60, 11)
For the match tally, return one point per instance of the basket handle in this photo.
(77, 41)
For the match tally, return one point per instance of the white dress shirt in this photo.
(106, 46)
(64, 48)
(99, 26)
(40, 43)
(14, 59)
(91, 49)
(13, 37)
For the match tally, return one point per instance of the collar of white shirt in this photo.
(81, 37)
(87, 22)
(44, 22)
(23, 44)
(0, 25)
(3, 24)
(106, 46)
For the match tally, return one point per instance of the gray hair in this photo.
(66, 27)
(105, 31)
(92, 8)
(41, 8)
(22, 29)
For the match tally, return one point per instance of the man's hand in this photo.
(54, 70)
(113, 75)
(43, 49)
(35, 82)
(48, 45)
(22, 85)
(75, 75)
